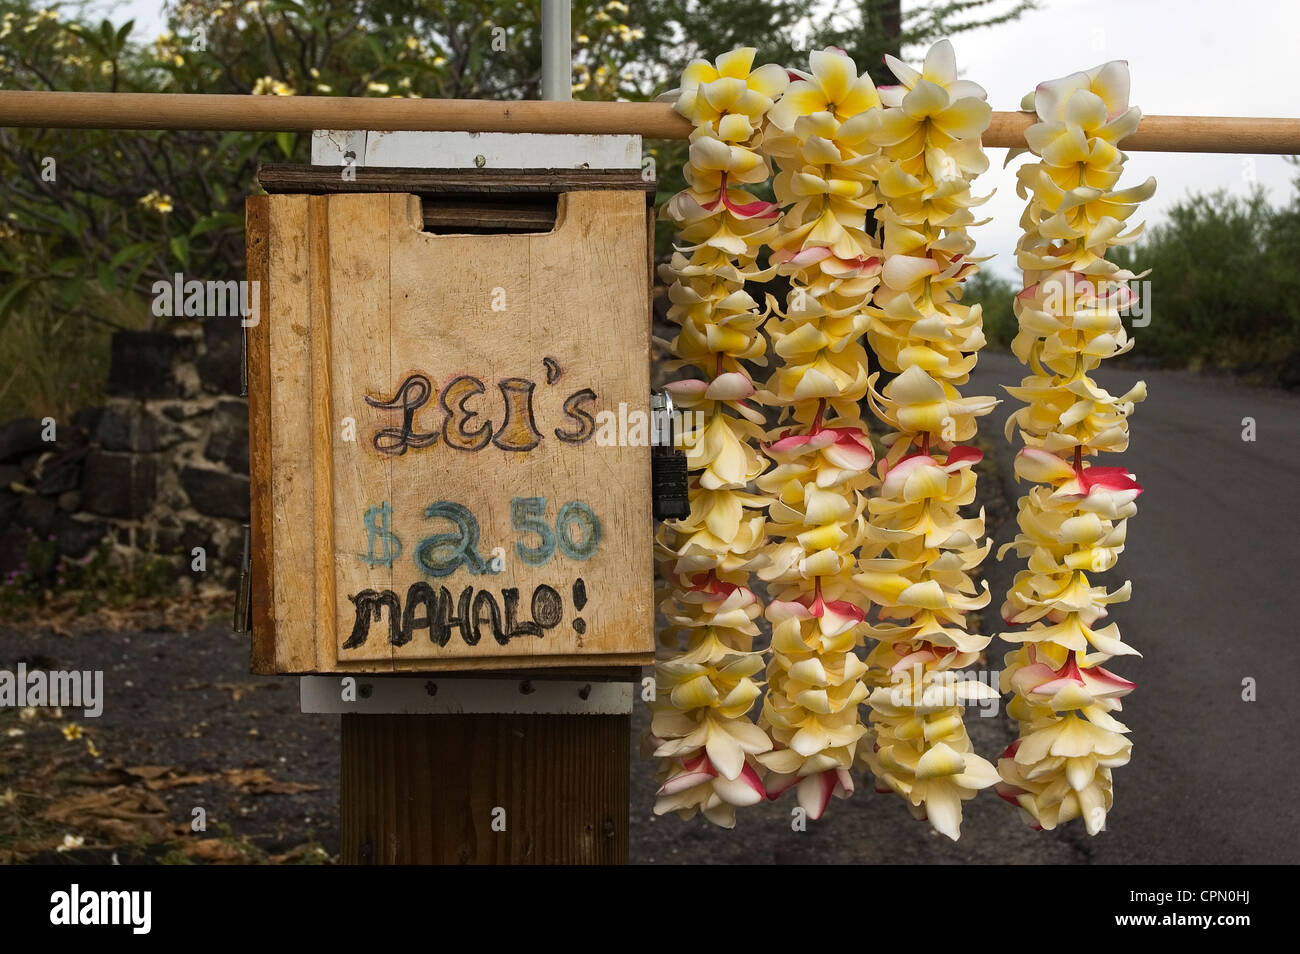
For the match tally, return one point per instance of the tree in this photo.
(782, 29)
(92, 218)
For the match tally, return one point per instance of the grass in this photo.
(98, 579)
(54, 363)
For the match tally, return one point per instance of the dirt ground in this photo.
(186, 728)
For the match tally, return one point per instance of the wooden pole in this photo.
(484, 789)
(1228, 134)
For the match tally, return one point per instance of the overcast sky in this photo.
(1188, 57)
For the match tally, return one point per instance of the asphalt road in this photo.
(1212, 554)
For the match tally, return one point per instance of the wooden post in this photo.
(486, 788)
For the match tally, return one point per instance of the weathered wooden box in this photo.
(430, 490)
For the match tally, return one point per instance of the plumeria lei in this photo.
(919, 570)
(822, 451)
(701, 730)
(1073, 523)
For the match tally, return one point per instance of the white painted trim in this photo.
(462, 150)
(376, 695)
(329, 147)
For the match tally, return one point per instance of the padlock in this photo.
(668, 480)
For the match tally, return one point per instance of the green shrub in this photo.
(1223, 282)
(995, 296)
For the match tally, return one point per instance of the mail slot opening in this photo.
(489, 214)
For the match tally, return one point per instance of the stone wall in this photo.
(160, 469)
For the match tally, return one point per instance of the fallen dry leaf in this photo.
(243, 777)
(177, 781)
(258, 782)
(147, 771)
(213, 849)
(309, 853)
(117, 814)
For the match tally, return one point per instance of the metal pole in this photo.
(557, 50)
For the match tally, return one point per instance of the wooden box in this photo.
(431, 489)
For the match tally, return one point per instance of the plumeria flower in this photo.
(831, 85)
(914, 402)
(1068, 686)
(723, 456)
(845, 453)
(939, 69)
(712, 92)
(825, 183)
(1048, 796)
(697, 550)
(929, 136)
(1064, 413)
(1095, 101)
(70, 843)
(926, 758)
(699, 780)
(813, 791)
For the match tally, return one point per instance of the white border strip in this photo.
(466, 150)
(440, 695)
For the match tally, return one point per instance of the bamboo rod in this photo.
(1228, 134)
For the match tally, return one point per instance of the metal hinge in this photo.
(243, 621)
(243, 360)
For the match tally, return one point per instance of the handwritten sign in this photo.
(443, 554)
(437, 495)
